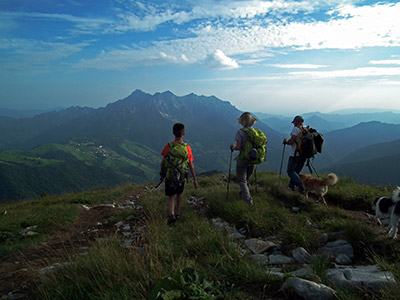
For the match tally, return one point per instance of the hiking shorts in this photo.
(172, 190)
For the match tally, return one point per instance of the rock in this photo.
(14, 296)
(343, 259)
(120, 223)
(130, 218)
(323, 239)
(260, 258)
(85, 207)
(370, 278)
(338, 247)
(307, 273)
(53, 267)
(295, 209)
(275, 274)
(258, 246)
(308, 290)
(279, 259)
(238, 236)
(28, 231)
(301, 255)
(107, 205)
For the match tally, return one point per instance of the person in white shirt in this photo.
(295, 163)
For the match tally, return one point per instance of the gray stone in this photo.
(343, 259)
(275, 274)
(258, 246)
(303, 272)
(371, 278)
(53, 267)
(338, 247)
(260, 258)
(295, 209)
(301, 255)
(238, 236)
(14, 296)
(308, 290)
(28, 231)
(130, 218)
(323, 239)
(279, 259)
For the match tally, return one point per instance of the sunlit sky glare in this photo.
(262, 56)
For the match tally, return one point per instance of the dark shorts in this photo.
(173, 190)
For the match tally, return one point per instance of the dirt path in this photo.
(18, 273)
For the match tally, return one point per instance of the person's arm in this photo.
(291, 141)
(191, 168)
(237, 147)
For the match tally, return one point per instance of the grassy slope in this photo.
(75, 167)
(111, 272)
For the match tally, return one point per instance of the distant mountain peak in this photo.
(138, 92)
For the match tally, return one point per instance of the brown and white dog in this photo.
(388, 206)
(318, 186)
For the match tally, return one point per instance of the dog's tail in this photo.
(332, 179)
(396, 195)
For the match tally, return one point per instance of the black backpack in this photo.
(310, 142)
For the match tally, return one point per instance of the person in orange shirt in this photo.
(173, 190)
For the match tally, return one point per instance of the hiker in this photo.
(177, 159)
(295, 163)
(244, 169)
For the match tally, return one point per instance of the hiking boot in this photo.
(171, 220)
(177, 217)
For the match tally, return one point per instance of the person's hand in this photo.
(232, 146)
(196, 185)
(284, 142)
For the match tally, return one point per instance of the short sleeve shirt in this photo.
(295, 131)
(241, 137)
(166, 150)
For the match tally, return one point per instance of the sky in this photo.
(262, 56)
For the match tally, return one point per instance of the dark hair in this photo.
(178, 130)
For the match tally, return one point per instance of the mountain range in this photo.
(81, 148)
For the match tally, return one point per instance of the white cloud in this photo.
(385, 62)
(88, 25)
(358, 72)
(36, 55)
(219, 60)
(125, 59)
(298, 66)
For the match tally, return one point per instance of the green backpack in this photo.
(255, 150)
(176, 163)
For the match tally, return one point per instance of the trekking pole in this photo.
(280, 170)
(255, 177)
(312, 165)
(158, 184)
(229, 175)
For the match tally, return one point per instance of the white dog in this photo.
(388, 206)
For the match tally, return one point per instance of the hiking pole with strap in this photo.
(229, 175)
(280, 170)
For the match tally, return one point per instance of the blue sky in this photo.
(262, 56)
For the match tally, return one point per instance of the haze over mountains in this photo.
(81, 148)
